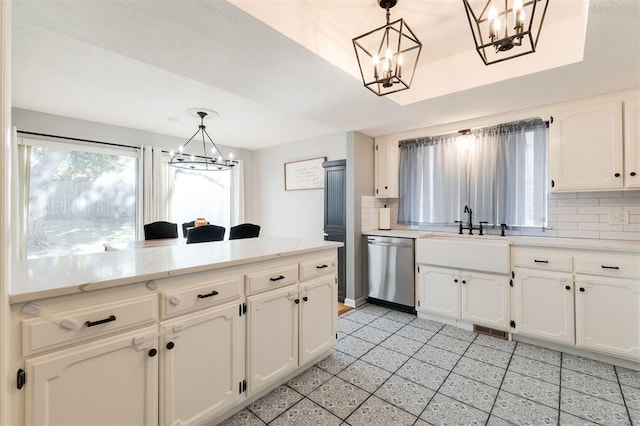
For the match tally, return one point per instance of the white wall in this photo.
(5, 170)
(298, 214)
(360, 178)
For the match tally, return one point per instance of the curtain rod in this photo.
(76, 139)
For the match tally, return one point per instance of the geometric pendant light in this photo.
(388, 56)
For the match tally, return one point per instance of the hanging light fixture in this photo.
(502, 33)
(388, 56)
(211, 159)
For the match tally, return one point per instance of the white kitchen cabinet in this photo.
(318, 316)
(386, 169)
(484, 299)
(438, 291)
(543, 305)
(272, 336)
(608, 315)
(475, 297)
(201, 364)
(632, 142)
(112, 381)
(586, 147)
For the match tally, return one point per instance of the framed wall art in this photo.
(304, 174)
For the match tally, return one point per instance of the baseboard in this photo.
(349, 302)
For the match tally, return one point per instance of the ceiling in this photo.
(142, 64)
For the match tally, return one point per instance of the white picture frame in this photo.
(304, 174)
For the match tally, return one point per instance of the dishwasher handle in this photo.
(380, 243)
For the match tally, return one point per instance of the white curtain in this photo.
(21, 181)
(499, 172)
(237, 193)
(153, 200)
(432, 181)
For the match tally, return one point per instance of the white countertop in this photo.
(516, 240)
(56, 276)
(401, 233)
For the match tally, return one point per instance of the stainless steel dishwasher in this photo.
(391, 275)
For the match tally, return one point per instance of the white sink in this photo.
(484, 254)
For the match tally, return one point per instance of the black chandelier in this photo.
(491, 28)
(210, 160)
(388, 56)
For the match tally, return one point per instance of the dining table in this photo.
(161, 242)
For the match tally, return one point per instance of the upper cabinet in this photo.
(632, 142)
(594, 146)
(586, 147)
(386, 179)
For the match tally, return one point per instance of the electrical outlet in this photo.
(619, 218)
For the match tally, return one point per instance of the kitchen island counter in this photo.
(41, 278)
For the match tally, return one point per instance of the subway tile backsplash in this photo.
(571, 215)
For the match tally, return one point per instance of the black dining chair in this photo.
(160, 229)
(205, 233)
(188, 225)
(244, 230)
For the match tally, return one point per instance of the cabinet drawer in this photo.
(273, 278)
(548, 261)
(315, 268)
(201, 296)
(612, 266)
(63, 328)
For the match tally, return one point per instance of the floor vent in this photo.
(491, 332)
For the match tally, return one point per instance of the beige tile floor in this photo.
(391, 368)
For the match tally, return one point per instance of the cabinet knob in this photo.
(297, 301)
(170, 345)
(582, 289)
(175, 300)
(464, 281)
(386, 187)
(567, 287)
(616, 174)
(632, 173)
(153, 352)
(305, 298)
(455, 280)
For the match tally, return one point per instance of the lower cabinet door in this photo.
(318, 317)
(272, 336)
(201, 365)
(544, 305)
(608, 315)
(113, 381)
(438, 291)
(484, 299)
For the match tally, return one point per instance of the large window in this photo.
(75, 197)
(195, 194)
(499, 172)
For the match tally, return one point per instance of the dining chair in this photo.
(188, 225)
(244, 230)
(205, 233)
(160, 229)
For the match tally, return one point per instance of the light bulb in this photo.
(231, 156)
(400, 60)
(181, 148)
(375, 59)
(517, 5)
(193, 158)
(171, 153)
(388, 54)
(213, 152)
(493, 13)
(220, 158)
